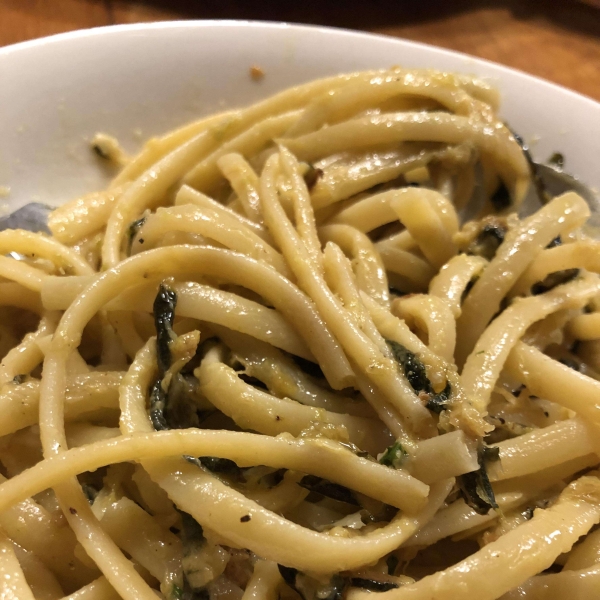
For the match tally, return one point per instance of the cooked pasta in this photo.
(307, 349)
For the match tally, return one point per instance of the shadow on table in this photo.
(380, 14)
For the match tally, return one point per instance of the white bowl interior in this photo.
(137, 81)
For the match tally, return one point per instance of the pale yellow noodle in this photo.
(214, 226)
(324, 299)
(483, 366)
(521, 245)
(419, 127)
(352, 339)
(205, 174)
(99, 589)
(416, 212)
(244, 182)
(432, 316)
(367, 264)
(501, 565)
(264, 582)
(586, 554)
(453, 278)
(585, 327)
(556, 382)
(13, 585)
(583, 254)
(258, 411)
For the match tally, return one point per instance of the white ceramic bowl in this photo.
(140, 80)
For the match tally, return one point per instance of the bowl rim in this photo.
(82, 34)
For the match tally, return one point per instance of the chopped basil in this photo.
(326, 488)
(221, 465)
(393, 456)
(356, 450)
(168, 412)
(158, 404)
(488, 241)
(176, 592)
(166, 409)
(90, 492)
(476, 488)
(415, 372)
(132, 231)
(191, 531)
(505, 430)
(491, 454)
(164, 314)
(193, 542)
(414, 369)
(439, 402)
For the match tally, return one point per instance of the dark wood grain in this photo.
(27, 19)
(556, 40)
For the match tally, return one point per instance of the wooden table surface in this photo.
(554, 39)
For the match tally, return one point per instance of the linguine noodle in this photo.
(307, 349)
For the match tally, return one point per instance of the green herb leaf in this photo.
(414, 369)
(476, 488)
(158, 404)
(439, 402)
(488, 241)
(90, 492)
(327, 488)
(193, 542)
(132, 231)
(164, 314)
(221, 465)
(393, 456)
(491, 454)
(191, 531)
